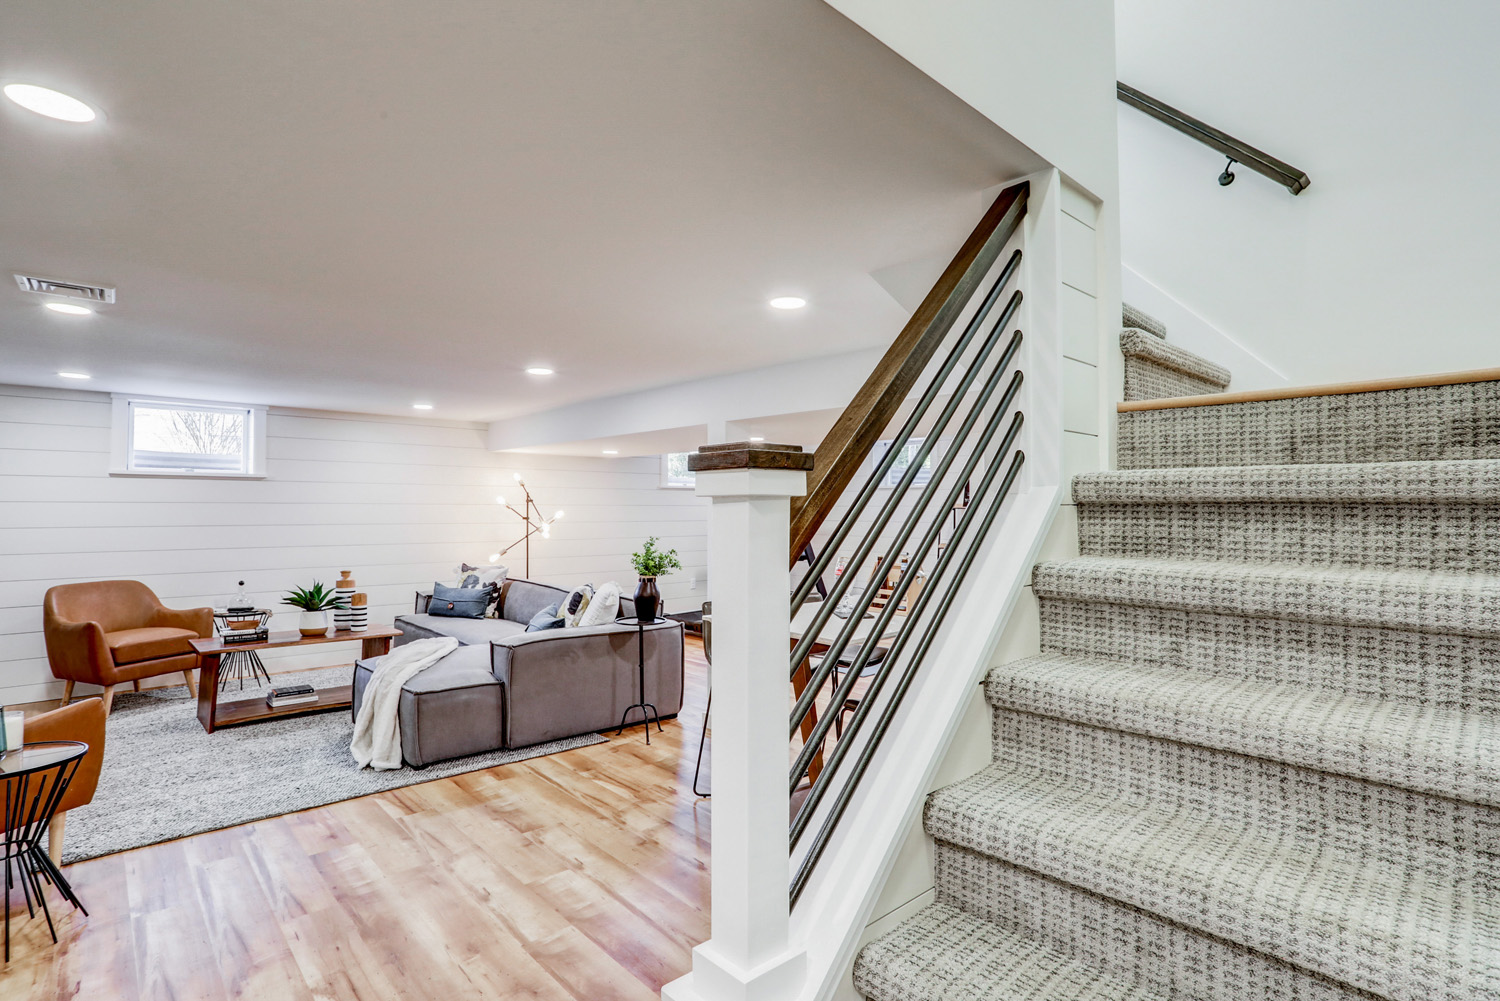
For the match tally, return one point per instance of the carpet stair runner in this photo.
(1155, 369)
(1258, 756)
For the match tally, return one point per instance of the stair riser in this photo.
(1429, 668)
(1147, 381)
(1406, 830)
(1441, 538)
(1170, 959)
(1437, 422)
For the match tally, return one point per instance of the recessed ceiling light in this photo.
(611, 451)
(75, 375)
(49, 102)
(756, 438)
(788, 302)
(540, 370)
(421, 406)
(69, 308)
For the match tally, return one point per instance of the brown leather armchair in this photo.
(109, 632)
(83, 721)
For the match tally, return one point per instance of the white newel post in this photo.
(749, 956)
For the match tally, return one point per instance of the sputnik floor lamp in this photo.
(531, 515)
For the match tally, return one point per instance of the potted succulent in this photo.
(651, 563)
(315, 602)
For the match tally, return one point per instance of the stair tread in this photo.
(944, 952)
(1430, 749)
(1444, 481)
(1467, 604)
(1130, 316)
(1407, 935)
(1141, 345)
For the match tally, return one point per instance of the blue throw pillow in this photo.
(547, 618)
(459, 602)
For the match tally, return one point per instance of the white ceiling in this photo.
(359, 205)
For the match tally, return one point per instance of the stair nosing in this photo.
(1462, 604)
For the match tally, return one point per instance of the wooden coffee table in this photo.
(374, 641)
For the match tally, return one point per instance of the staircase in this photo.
(1155, 369)
(1258, 756)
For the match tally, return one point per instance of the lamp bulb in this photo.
(494, 557)
(500, 499)
(557, 516)
(518, 477)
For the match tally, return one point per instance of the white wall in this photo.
(1187, 329)
(399, 501)
(1384, 266)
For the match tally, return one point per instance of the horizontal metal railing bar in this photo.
(820, 566)
(860, 661)
(903, 533)
(841, 749)
(1294, 179)
(888, 711)
(887, 510)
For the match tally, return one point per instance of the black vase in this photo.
(647, 599)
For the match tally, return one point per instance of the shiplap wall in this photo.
(398, 501)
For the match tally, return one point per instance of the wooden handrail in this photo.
(844, 448)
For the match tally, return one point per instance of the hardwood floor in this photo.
(578, 875)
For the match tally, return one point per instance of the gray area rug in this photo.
(165, 778)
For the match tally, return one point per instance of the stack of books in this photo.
(290, 695)
(256, 635)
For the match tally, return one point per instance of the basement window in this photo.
(675, 473)
(904, 460)
(155, 437)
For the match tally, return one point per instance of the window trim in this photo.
(120, 435)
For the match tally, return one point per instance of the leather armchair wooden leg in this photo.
(55, 836)
(192, 685)
(67, 694)
(109, 697)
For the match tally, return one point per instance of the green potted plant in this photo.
(315, 602)
(651, 563)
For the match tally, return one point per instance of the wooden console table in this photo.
(214, 715)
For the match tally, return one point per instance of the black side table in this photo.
(34, 778)
(241, 664)
(643, 705)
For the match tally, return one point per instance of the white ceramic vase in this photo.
(313, 623)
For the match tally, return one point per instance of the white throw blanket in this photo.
(377, 731)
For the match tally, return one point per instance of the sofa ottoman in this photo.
(454, 708)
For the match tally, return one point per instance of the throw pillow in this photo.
(459, 602)
(470, 576)
(575, 604)
(603, 608)
(547, 618)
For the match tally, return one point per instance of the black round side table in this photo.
(34, 778)
(642, 705)
(241, 664)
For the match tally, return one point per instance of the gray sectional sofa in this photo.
(505, 688)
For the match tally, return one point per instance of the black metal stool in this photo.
(35, 776)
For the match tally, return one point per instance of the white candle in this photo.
(14, 727)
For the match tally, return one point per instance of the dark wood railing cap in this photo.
(750, 455)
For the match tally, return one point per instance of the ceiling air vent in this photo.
(73, 290)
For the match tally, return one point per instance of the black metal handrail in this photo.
(877, 475)
(977, 409)
(903, 533)
(898, 594)
(889, 707)
(1294, 179)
